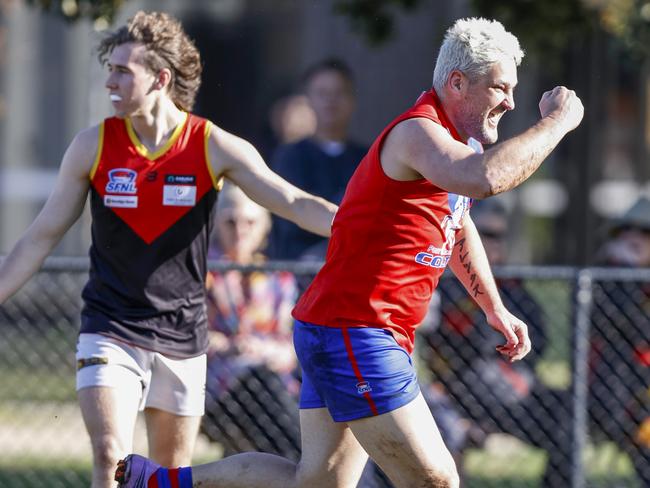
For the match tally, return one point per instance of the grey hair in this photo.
(473, 45)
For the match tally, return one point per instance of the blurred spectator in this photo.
(290, 119)
(629, 238)
(251, 362)
(323, 163)
(492, 394)
(619, 403)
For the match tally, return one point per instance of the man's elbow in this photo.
(481, 188)
(493, 184)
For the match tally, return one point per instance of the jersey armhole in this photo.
(217, 183)
(98, 156)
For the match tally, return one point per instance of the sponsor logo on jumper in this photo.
(363, 387)
(179, 195)
(121, 180)
(180, 179)
(122, 201)
(433, 257)
(438, 257)
(152, 175)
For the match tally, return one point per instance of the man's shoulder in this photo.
(409, 131)
(87, 139)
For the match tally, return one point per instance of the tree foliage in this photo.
(543, 26)
(550, 25)
(96, 10)
(374, 19)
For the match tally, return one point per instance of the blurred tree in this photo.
(628, 20)
(373, 18)
(552, 24)
(102, 12)
(542, 26)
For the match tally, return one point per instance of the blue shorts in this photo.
(355, 372)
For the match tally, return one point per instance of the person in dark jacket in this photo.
(324, 162)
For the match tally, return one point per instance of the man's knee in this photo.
(436, 480)
(442, 479)
(440, 476)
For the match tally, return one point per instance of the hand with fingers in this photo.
(515, 331)
(562, 105)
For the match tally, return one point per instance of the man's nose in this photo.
(110, 81)
(509, 101)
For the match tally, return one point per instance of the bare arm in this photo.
(470, 265)
(419, 147)
(239, 161)
(63, 207)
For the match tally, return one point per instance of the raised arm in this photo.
(61, 210)
(470, 265)
(421, 148)
(239, 161)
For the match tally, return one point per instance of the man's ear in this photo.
(456, 81)
(163, 79)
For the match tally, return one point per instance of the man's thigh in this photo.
(331, 455)
(177, 385)
(406, 444)
(109, 416)
(171, 437)
(110, 382)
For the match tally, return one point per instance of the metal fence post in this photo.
(582, 300)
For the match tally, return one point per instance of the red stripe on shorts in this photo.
(153, 481)
(173, 477)
(355, 368)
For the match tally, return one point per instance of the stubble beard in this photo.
(480, 130)
(476, 125)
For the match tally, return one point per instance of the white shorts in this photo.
(172, 385)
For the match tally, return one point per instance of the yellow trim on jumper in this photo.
(142, 149)
(216, 182)
(100, 148)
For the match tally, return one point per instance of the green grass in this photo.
(517, 465)
(37, 364)
(29, 472)
(37, 385)
(554, 374)
(505, 462)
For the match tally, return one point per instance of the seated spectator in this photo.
(619, 402)
(492, 394)
(251, 362)
(323, 163)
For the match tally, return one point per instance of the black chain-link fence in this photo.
(575, 413)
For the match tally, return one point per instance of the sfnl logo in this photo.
(121, 180)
